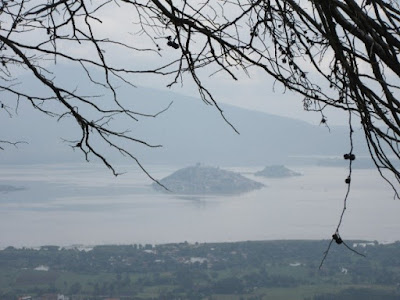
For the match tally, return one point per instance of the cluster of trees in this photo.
(244, 268)
(358, 294)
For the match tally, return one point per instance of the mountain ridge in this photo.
(189, 131)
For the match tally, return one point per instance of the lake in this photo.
(85, 204)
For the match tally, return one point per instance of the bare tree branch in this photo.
(342, 54)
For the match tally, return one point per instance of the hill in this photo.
(276, 171)
(189, 131)
(204, 180)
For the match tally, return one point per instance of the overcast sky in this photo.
(257, 91)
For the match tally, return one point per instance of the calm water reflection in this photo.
(85, 204)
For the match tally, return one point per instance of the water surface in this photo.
(85, 204)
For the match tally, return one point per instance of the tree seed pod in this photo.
(173, 44)
(337, 239)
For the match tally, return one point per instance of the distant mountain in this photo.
(202, 180)
(276, 171)
(189, 131)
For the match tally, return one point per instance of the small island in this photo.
(9, 188)
(203, 180)
(276, 171)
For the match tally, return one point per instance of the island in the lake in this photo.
(10, 188)
(277, 171)
(204, 180)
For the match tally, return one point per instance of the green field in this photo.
(242, 270)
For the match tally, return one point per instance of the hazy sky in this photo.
(258, 92)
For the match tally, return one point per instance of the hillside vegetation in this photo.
(243, 270)
(205, 180)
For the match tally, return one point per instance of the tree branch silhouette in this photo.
(342, 54)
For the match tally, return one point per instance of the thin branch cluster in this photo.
(337, 53)
(342, 54)
(35, 36)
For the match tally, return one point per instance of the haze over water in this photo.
(85, 204)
